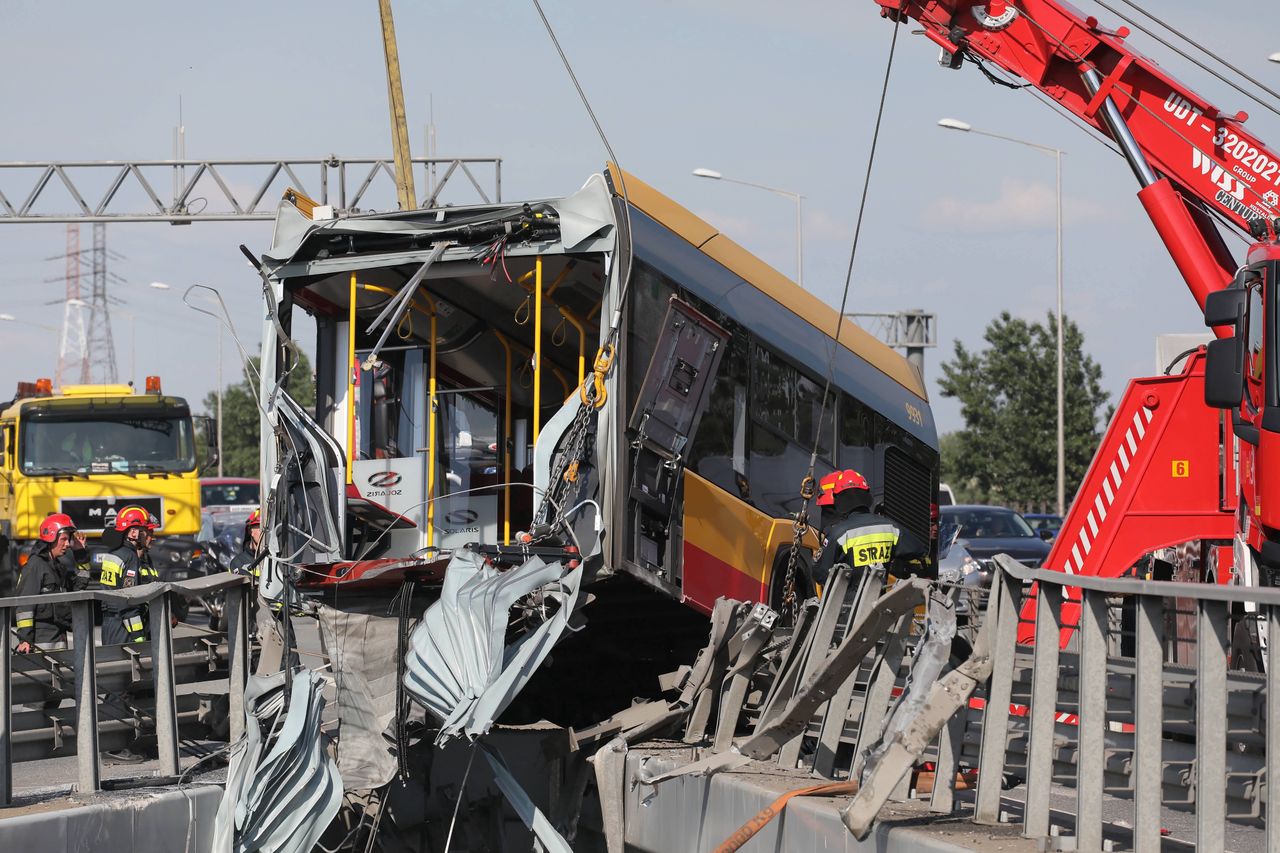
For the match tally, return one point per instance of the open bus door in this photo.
(672, 398)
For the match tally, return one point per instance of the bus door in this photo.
(672, 397)
(389, 468)
(469, 468)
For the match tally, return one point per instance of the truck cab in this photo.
(89, 451)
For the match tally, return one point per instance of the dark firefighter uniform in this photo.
(45, 625)
(241, 563)
(860, 538)
(123, 568)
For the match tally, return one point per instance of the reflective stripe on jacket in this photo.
(43, 575)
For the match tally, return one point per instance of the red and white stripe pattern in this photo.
(1103, 500)
(977, 703)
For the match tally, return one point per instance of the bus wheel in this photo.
(804, 587)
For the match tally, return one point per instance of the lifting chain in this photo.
(565, 481)
(799, 527)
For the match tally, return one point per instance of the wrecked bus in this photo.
(606, 358)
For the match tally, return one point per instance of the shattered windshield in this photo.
(105, 446)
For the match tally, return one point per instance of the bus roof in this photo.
(707, 239)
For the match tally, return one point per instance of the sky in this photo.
(956, 224)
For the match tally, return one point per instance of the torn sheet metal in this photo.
(610, 764)
(916, 724)
(457, 666)
(586, 224)
(283, 800)
(362, 647)
(306, 509)
(836, 667)
(529, 813)
(928, 662)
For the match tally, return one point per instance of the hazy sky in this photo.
(957, 224)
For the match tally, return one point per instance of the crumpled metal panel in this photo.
(532, 817)
(457, 665)
(283, 800)
(362, 647)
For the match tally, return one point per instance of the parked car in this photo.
(946, 497)
(991, 530)
(1046, 525)
(219, 492)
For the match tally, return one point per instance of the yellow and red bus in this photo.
(451, 346)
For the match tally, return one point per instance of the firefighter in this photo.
(855, 535)
(127, 566)
(242, 562)
(59, 563)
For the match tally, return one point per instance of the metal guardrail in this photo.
(1210, 773)
(84, 683)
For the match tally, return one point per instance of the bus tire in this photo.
(804, 585)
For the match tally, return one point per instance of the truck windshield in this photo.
(105, 446)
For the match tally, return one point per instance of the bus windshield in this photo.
(106, 446)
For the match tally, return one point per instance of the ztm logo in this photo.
(384, 479)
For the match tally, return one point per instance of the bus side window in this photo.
(649, 294)
(857, 438)
(718, 451)
(784, 409)
(8, 448)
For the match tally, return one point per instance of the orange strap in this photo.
(748, 830)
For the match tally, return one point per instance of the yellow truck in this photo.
(89, 451)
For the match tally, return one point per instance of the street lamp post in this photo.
(1275, 57)
(796, 197)
(217, 422)
(1056, 153)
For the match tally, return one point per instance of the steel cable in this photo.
(1250, 95)
(1090, 65)
(801, 522)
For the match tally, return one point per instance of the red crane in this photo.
(1165, 474)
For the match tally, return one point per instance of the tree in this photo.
(241, 436)
(1007, 452)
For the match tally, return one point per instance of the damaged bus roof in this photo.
(582, 223)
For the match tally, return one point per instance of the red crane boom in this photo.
(1166, 471)
(1189, 157)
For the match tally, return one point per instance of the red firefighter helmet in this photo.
(135, 516)
(837, 482)
(254, 520)
(55, 524)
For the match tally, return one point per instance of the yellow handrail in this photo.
(351, 380)
(537, 347)
(431, 429)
